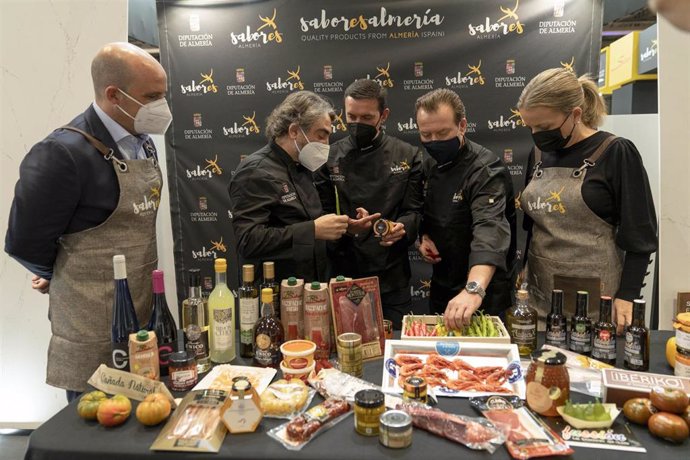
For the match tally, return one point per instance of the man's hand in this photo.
(362, 223)
(40, 284)
(622, 312)
(428, 251)
(330, 227)
(460, 309)
(396, 233)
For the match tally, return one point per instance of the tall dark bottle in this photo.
(269, 269)
(124, 316)
(604, 336)
(162, 322)
(581, 326)
(637, 340)
(556, 322)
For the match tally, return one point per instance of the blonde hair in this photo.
(562, 90)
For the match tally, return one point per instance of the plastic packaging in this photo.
(286, 399)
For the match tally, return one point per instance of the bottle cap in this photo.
(220, 265)
(315, 285)
(119, 267)
(269, 270)
(248, 273)
(181, 358)
(369, 398)
(292, 281)
(340, 278)
(267, 295)
(194, 277)
(142, 335)
(157, 281)
(522, 294)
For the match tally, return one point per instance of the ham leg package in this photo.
(357, 308)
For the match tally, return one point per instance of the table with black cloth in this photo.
(66, 436)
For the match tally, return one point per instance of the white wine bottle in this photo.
(195, 323)
(221, 312)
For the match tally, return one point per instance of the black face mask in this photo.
(443, 151)
(552, 139)
(362, 134)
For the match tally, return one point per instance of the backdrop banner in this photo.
(230, 63)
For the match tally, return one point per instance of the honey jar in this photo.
(548, 382)
(369, 406)
(414, 390)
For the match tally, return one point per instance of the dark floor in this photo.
(13, 446)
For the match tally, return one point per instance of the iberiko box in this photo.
(620, 385)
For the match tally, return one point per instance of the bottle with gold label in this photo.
(268, 334)
(522, 324)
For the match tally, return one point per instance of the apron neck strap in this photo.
(593, 158)
(98, 145)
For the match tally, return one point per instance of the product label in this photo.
(164, 352)
(581, 338)
(222, 329)
(523, 333)
(246, 334)
(681, 369)
(183, 379)
(633, 350)
(196, 341)
(121, 356)
(604, 346)
(264, 353)
(249, 311)
(556, 336)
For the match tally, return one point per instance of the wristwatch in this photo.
(474, 288)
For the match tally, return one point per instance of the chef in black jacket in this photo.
(375, 175)
(276, 210)
(587, 201)
(468, 226)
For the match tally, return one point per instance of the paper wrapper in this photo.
(114, 381)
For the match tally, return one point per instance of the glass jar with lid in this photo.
(548, 382)
(369, 405)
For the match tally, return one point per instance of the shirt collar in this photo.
(123, 138)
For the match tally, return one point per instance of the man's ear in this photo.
(384, 115)
(462, 126)
(293, 130)
(112, 94)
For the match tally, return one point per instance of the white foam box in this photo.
(430, 320)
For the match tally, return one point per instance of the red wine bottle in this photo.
(162, 322)
(124, 316)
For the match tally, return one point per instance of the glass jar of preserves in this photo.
(369, 405)
(414, 390)
(395, 429)
(183, 371)
(548, 382)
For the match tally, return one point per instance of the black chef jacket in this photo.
(386, 178)
(469, 213)
(274, 205)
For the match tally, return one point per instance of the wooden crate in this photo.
(431, 320)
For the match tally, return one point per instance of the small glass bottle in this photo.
(269, 269)
(249, 311)
(195, 324)
(369, 406)
(268, 335)
(522, 324)
(637, 340)
(556, 322)
(581, 326)
(604, 336)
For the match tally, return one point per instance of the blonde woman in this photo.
(588, 206)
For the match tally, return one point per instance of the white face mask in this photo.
(313, 155)
(152, 118)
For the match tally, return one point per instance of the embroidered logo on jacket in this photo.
(400, 167)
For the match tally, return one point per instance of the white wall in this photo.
(46, 49)
(643, 131)
(674, 133)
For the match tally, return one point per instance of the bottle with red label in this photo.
(604, 334)
(162, 322)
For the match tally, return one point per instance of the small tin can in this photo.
(349, 346)
(369, 406)
(415, 389)
(382, 227)
(395, 429)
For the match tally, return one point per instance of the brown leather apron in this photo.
(82, 289)
(571, 247)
